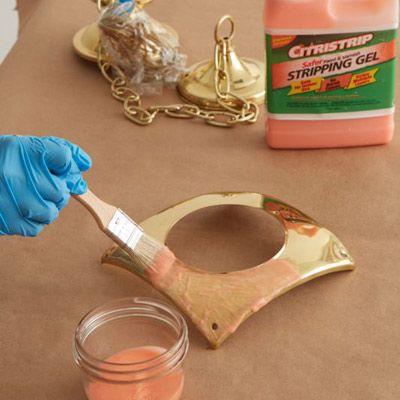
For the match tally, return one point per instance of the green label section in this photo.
(322, 74)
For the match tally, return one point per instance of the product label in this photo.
(331, 74)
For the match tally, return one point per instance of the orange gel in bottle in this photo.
(132, 349)
(330, 72)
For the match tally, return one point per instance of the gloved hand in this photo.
(37, 177)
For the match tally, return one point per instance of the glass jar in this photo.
(132, 349)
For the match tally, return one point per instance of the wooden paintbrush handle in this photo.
(112, 221)
(101, 211)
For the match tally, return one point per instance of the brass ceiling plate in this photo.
(218, 303)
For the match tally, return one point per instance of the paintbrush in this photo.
(144, 250)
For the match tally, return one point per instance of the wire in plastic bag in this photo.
(145, 49)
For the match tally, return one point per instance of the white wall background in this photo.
(9, 23)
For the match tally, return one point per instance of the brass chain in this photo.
(234, 109)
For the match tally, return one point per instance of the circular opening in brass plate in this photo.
(226, 238)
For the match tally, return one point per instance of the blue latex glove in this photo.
(37, 177)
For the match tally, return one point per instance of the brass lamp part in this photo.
(218, 304)
(247, 77)
(86, 41)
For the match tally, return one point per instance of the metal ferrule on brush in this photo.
(141, 248)
(125, 231)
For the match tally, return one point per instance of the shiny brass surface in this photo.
(317, 253)
(197, 86)
(311, 250)
(86, 41)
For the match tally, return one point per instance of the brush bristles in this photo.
(142, 248)
(145, 252)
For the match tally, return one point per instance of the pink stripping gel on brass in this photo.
(164, 261)
(168, 387)
(170, 275)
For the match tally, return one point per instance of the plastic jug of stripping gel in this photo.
(331, 68)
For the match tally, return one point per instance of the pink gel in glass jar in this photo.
(132, 349)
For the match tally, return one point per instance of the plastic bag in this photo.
(146, 50)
